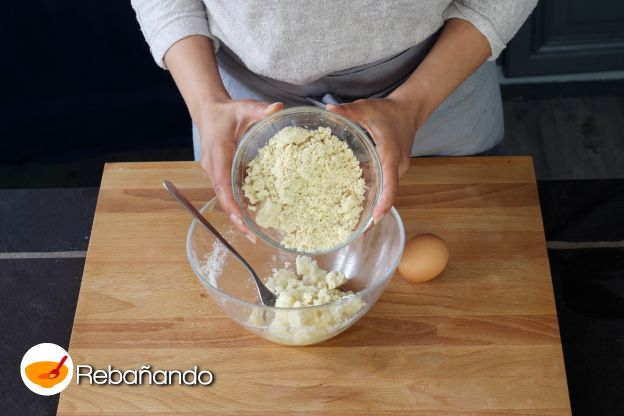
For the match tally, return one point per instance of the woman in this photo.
(418, 75)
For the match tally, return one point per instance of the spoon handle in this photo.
(265, 294)
(182, 200)
(58, 367)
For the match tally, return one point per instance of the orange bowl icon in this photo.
(41, 373)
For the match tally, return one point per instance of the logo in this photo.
(47, 369)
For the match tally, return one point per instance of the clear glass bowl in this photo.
(369, 262)
(311, 118)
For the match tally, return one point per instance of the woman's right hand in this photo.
(221, 121)
(221, 125)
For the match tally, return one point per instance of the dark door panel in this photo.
(568, 36)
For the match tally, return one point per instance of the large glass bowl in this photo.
(311, 118)
(369, 262)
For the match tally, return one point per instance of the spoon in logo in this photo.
(54, 373)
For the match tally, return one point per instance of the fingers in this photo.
(218, 164)
(390, 167)
(388, 150)
(218, 153)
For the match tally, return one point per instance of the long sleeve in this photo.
(164, 22)
(498, 20)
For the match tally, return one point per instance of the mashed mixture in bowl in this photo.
(308, 285)
(307, 184)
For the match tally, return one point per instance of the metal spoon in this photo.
(266, 296)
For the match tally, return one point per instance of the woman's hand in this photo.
(392, 124)
(393, 121)
(221, 125)
(221, 121)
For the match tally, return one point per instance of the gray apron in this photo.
(469, 121)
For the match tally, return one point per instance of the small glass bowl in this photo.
(311, 118)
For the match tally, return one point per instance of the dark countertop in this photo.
(39, 295)
(584, 225)
(46, 231)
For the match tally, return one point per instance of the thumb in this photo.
(348, 110)
(273, 108)
(251, 111)
(258, 110)
(353, 111)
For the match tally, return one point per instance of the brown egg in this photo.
(425, 257)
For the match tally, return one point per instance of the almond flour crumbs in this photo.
(309, 286)
(308, 185)
(292, 322)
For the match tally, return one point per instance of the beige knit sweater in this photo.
(298, 41)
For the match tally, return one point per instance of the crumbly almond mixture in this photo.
(309, 286)
(307, 184)
(294, 324)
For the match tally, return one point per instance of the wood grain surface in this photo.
(482, 339)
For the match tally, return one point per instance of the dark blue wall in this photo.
(77, 78)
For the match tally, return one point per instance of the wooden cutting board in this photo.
(482, 339)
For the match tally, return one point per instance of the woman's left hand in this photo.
(392, 125)
(458, 51)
